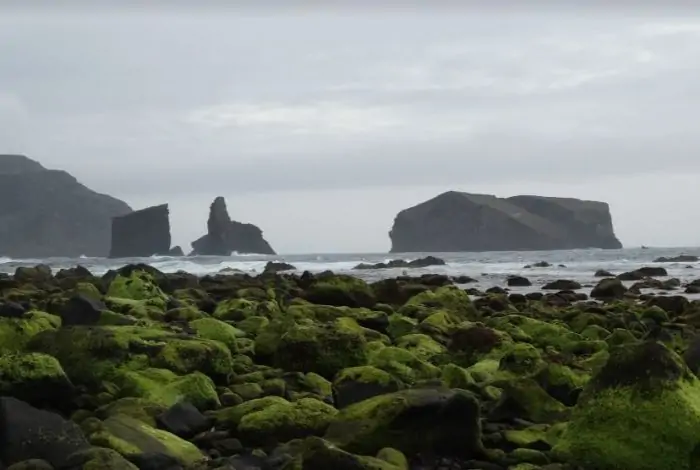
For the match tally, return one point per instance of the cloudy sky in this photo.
(320, 125)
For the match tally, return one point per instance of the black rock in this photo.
(677, 259)
(277, 266)
(518, 281)
(11, 310)
(155, 461)
(82, 310)
(643, 272)
(29, 433)
(184, 419)
(562, 284)
(610, 288)
(603, 273)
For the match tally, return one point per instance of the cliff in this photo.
(141, 233)
(225, 236)
(455, 221)
(48, 213)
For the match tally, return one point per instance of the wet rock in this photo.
(278, 266)
(30, 433)
(518, 281)
(400, 263)
(562, 284)
(677, 259)
(643, 272)
(184, 420)
(610, 288)
(603, 273)
(11, 309)
(82, 309)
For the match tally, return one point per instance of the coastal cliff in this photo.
(456, 221)
(48, 213)
(225, 236)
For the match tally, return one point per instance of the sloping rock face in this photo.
(455, 221)
(224, 236)
(46, 213)
(142, 233)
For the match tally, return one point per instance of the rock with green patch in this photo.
(641, 411)
(139, 285)
(403, 364)
(29, 376)
(283, 421)
(319, 454)
(211, 328)
(356, 384)
(422, 346)
(450, 299)
(98, 458)
(524, 398)
(400, 325)
(237, 310)
(339, 291)
(129, 437)
(230, 417)
(423, 420)
(15, 333)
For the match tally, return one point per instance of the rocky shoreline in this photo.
(138, 369)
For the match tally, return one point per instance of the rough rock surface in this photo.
(141, 233)
(46, 213)
(225, 236)
(456, 221)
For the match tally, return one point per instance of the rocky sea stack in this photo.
(139, 369)
(225, 236)
(142, 233)
(48, 213)
(456, 221)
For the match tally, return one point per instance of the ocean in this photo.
(488, 268)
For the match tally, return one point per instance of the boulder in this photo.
(400, 263)
(30, 433)
(48, 213)
(562, 284)
(677, 259)
(225, 236)
(609, 288)
(518, 281)
(440, 421)
(640, 411)
(456, 221)
(277, 266)
(141, 233)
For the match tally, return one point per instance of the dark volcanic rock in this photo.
(142, 233)
(603, 273)
(518, 281)
(455, 221)
(225, 236)
(400, 263)
(277, 266)
(677, 259)
(609, 288)
(562, 284)
(642, 273)
(45, 213)
(29, 433)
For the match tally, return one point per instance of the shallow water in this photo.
(488, 268)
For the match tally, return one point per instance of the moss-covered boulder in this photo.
(237, 309)
(340, 290)
(640, 411)
(403, 364)
(15, 333)
(450, 299)
(319, 454)
(130, 437)
(99, 458)
(283, 421)
(438, 421)
(166, 388)
(321, 348)
(29, 376)
(356, 384)
(211, 328)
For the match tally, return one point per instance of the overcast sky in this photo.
(319, 127)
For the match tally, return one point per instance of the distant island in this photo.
(456, 221)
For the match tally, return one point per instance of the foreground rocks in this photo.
(138, 369)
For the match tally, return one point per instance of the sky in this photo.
(319, 125)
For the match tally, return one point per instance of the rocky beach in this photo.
(136, 368)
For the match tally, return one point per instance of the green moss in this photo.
(237, 310)
(394, 457)
(15, 333)
(252, 325)
(364, 374)
(444, 422)
(324, 349)
(439, 325)
(282, 422)
(317, 453)
(166, 388)
(97, 458)
(540, 333)
(456, 377)
(403, 364)
(620, 336)
(229, 418)
(531, 402)
(341, 290)
(28, 376)
(641, 411)
(521, 359)
(87, 289)
(184, 314)
(187, 355)
(247, 391)
(137, 408)
(450, 299)
(595, 332)
(211, 328)
(423, 346)
(130, 436)
(140, 285)
(400, 325)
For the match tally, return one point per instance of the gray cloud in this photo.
(268, 108)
